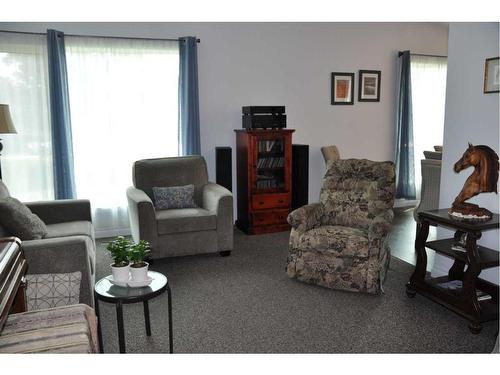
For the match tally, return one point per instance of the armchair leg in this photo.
(225, 253)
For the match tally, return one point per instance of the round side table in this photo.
(105, 291)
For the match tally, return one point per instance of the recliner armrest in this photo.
(306, 217)
(61, 211)
(380, 226)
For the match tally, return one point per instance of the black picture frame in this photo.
(336, 94)
(491, 75)
(363, 95)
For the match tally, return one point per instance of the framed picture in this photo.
(491, 75)
(369, 86)
(342, 88)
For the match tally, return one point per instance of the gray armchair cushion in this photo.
(19, 221)
(175, 171)
(166, 198)
(61, 210)
(185, 220)
(71, 228)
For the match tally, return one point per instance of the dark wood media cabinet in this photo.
(264, 169)
(461, 291)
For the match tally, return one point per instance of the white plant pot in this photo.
(121, 274)
(139, 274)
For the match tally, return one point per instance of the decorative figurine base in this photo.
(470, 212)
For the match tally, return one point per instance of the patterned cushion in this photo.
(166, 198)
(51, 290)
(355, 191)
(338, 240)
(18, 219)
(68, 329)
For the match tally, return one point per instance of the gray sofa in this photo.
(69, 245)
(208, 228)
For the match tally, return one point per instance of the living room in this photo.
(122, 132)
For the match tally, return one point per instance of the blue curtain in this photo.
(189, 113)
(64, 180)
(405, 168)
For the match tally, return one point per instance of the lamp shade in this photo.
(6, 125)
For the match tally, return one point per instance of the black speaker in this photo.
(300, 176)
(224, 167)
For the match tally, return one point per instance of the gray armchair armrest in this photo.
(142, 216)
(306, 217)
(63, 255)
(220, 200)
(61, 211)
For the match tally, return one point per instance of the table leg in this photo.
(170, 333)
(99, 332)
(469, 283)
(146, 318)
(418, 276)
(121, 330)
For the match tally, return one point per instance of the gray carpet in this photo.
(245, 303)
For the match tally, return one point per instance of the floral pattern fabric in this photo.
(341, 242)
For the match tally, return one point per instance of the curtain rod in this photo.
(421, 54)
(95, 36)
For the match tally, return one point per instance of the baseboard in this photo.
(399, 203)
(112, 232)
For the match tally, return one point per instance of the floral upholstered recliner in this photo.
(341, 242)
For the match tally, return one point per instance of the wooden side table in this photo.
(461, 291)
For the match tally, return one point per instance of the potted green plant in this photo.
(137, 255)
(119, 249)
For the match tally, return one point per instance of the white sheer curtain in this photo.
(123, 97)
(27, 156)
(428, 85)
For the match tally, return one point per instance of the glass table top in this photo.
(104, 288)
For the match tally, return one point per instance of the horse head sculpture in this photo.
(484, 179)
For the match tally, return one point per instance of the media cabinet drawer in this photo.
(266, 201)
(269, 217)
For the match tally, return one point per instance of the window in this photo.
(124, 107)
(428, 85)
(27, 156)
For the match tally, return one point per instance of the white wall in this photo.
(289, 64)
(471, 116)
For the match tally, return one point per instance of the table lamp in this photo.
(6, 126)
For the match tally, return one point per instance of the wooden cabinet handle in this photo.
(281, 201)
(261, 203)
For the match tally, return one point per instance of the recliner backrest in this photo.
(354, 191)
(174, 171)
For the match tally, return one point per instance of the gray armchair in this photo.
(208, 228)
(69, 245)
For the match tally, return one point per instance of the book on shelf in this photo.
(268, 146)
(273, 162)
(455, 287)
